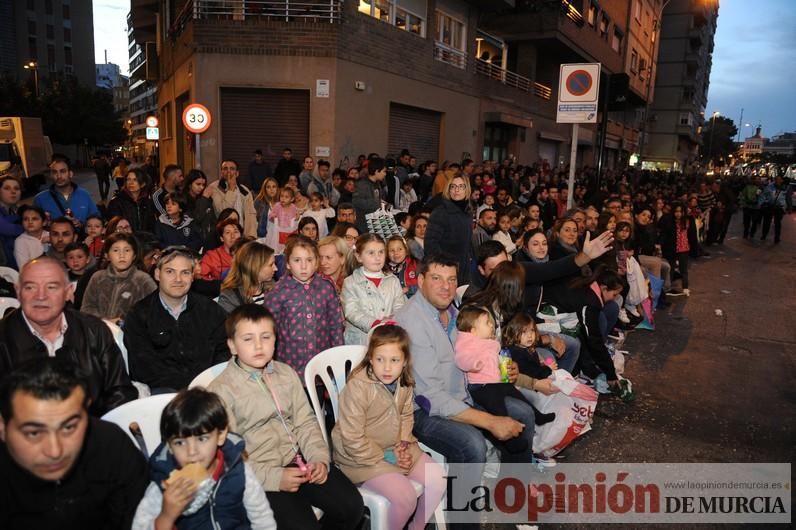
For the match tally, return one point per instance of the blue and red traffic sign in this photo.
(579, 82)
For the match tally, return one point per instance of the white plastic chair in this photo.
(146, 413)
(7, 303)
(205, 378)
(9, 274)
(118, 338)
(333, 366)
(460, 290)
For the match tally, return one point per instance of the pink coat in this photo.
(478, 357)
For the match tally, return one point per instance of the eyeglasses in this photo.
(350, 237)
(457, 187)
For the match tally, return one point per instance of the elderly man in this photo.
(44, 327)
(62, 468)
(174, 334)
(64, 198)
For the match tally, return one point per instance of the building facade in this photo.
(447, 79)
(143, 91)
(55, 37)
(673, 124)
(109, 77)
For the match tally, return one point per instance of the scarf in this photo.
(545, 259)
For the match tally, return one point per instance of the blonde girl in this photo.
(249, 278)
(374, 446)
(369, 295)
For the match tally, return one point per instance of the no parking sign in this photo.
(578, 93)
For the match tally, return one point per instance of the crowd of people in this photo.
(267, 269)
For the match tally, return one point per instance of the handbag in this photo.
(382, 223)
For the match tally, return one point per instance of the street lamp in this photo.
(712, 132)
(33, 65)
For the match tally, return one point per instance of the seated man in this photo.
(445, 419)
(174, 334)
(45, 327)
(62, 468)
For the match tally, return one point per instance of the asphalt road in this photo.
(709, 388)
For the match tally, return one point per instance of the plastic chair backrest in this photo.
(332, 366)
(118, 338)
(146, 412)
(460, 290)
(204, 379)
(7, 303)
(9, 274)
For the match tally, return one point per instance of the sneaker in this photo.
(687, 292)
(622, 391)
(675, 292)
(623, 316)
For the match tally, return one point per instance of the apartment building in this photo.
(446, 79)
(681, 90)
(54, 38)
(143, 90)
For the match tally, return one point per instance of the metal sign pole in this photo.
(198, 161)
(573, 156)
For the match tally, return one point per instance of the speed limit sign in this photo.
(196, 118)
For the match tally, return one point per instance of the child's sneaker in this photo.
(543, 462)
(601, 384)
(623, 316)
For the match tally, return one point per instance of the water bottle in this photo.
(504, 360)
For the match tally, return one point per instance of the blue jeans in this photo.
(570, 357)
(608, 317)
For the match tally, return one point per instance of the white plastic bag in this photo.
(276, 235)
(638, 283)
(574, 407)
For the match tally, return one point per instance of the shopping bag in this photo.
(382, 223)
(276, 236)
(637, 282)
(555, 322)
(574, 408)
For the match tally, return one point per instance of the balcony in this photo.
(286, 10)
(449, 55)
(512, 79)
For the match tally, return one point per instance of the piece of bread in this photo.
(195, 472)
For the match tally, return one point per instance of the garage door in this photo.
(264, 118)
(415, 129)
(547, 151)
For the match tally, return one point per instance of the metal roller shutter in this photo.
(415, 129)
(264, 118)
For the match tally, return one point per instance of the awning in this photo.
(544, 135)
(510, 119)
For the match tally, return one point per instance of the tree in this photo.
(15, 99)
(718, 140)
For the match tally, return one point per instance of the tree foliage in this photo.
(71, 113)
(718, 140)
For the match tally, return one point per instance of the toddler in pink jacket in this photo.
(476, 352)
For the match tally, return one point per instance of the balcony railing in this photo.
(512, 79)
(452, 56)
(286, 10)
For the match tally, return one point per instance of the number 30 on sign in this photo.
(196, 118)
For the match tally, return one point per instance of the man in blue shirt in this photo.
(64, 198)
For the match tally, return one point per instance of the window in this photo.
(685, 118)
(450, 44)
(50, 32)
(604, 27)
(67, 34)
(408, 15)
(67, 54)
(633, 61)
(31, 27)
(616, 42)
(48, 6)
(33, 49)
(51, 57)
(637, 10)
(688, 95)
(591, 16)
(642, 69)
(66, 14)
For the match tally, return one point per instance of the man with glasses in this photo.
(173, 334)
(64, 198)
(227, 192)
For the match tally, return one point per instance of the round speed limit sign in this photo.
(196, 118)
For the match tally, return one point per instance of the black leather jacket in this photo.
(88, 342)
